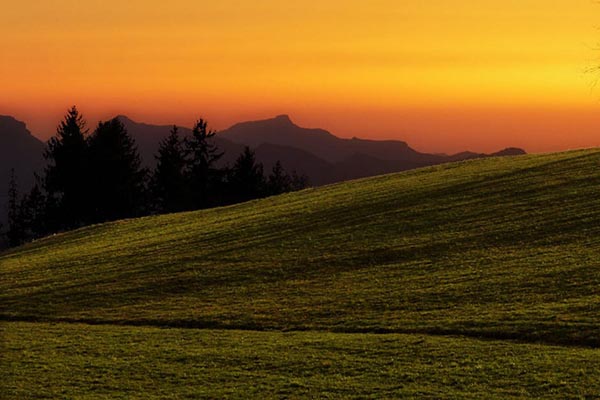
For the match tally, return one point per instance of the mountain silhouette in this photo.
(469, 155)
(350, 158)
(509, 151)
(321, 156)
(20, 150)
(148, 137)
(282, 131)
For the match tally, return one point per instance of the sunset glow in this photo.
(444, 75)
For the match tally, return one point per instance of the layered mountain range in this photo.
(321, 156)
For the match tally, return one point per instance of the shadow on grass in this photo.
(580, 335)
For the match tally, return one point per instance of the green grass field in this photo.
(144, 362)
(494, 263)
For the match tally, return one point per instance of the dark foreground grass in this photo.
(40, 360)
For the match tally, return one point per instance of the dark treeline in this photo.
(97, 177)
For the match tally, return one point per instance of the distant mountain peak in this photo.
(7, 120)
(283, 118)
(280, 122)
(12, 127)
(125, 119)
(510, 151)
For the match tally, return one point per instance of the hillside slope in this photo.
(500, 247)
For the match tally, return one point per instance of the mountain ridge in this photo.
(315, 140)
(21, 151)
(333, 155)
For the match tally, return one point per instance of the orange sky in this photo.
(445, 75)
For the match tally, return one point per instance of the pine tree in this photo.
(298, 182)
(65, 179)
(116, 177)
(202, 175)
(246, 180)
(16, 227)
(168, 183)
(33, 213)
(278, 182)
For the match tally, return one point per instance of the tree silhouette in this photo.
(298, 182)
(65, 179)
(99, 178)
(203, 177)
(168, 184)
(246, 180)
(33, 213)
(116, 178)
(278, 181)
(16, 227)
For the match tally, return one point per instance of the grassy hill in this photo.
(502, 248)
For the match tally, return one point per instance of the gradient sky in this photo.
(444, 75)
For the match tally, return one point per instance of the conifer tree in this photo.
(168, 185)
(33, 213)
(202, 175)
(278, 181)
(246, 180)
(65, 179)
(116, 177)
(298, 182)
(16, 227)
